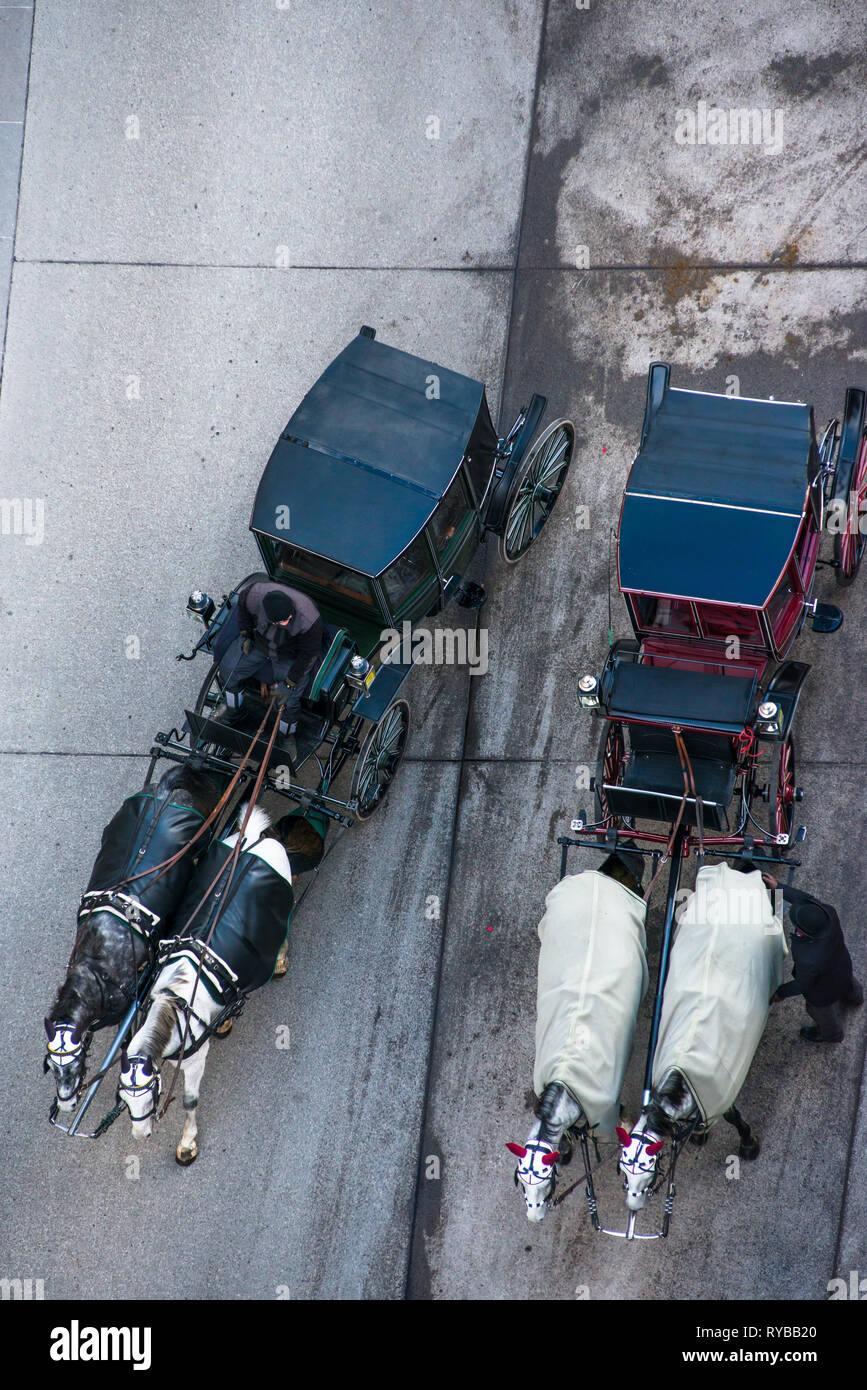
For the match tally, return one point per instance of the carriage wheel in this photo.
(537, 488)
(378, 760)
(849, 547)
(612, 751)
(207, 700)
(787, 794)
(210, 695)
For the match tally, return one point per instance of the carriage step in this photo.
(827, 617)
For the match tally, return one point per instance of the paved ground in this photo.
(208, 209)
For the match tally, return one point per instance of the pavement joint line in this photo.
(720, 267)
(5, 325)
(434, 1015)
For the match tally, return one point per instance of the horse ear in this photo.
(516, 1149)
(49, 1027)
(624, 1136)
(653, 1149)
(124, 1059)
(551, 1157)
(148, 1067)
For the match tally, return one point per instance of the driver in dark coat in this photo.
(280, 644)
(822, 965)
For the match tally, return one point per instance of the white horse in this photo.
(178, 1006)
(591, 979)
(726, 963)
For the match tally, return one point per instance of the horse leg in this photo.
(749, 1145)
(193, 1070)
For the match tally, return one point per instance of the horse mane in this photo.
(156, 1032)
(257, 825)
(666, 1100)
(190, 785)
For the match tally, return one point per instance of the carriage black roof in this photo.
(715, 496)
(368, 454)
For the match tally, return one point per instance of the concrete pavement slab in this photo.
(274, 1199)
(768, 1233)
(631, 168)
(138, 410)
(254, 134)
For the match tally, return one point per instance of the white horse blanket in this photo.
(592, 977)
(726, 962)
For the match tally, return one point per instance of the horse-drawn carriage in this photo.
(373, 503)
(718, 548)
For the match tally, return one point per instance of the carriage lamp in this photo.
(588, 692)
(360, 673)
(200, 607)
(769, 717)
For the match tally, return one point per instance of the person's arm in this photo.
(245, 617)
(307, 647)
(791, 894)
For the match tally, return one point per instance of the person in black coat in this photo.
(822, 966)
(280, 643)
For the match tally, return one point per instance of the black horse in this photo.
(117, 936)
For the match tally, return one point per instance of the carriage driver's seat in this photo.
(337, 652)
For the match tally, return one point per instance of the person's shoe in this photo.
(814, 1036)
(226, 714)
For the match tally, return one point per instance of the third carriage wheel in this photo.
(849, 545)
(785, 795)
(378, 759)
(209, 698)
(536, 489)
(609, 767)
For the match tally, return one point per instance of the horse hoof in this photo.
(186, 1156)
(224, 1028)
(749, 1149)
(280, 968)
(699, 1139)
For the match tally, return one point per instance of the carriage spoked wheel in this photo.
(612, 749)
(378, 760)
(210, 696)
(536, 489)
(787, 795)
(850, 545)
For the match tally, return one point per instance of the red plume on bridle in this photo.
(626, 1139)
(517, 1149)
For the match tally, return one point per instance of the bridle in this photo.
(643, 1163)
(139, 1085)
(63, 1048)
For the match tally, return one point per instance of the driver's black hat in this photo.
(278, 606)
(809, 918)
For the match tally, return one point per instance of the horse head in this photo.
(536, 1173)
(639, 1160)
(139, 1089)
(65, 1058)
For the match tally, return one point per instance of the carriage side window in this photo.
(479, 464)
(409, 572)
(719, 621)
(675, 615)
(785, 607)
(302, 564)
(446, 524)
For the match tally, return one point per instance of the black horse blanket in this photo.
(140, 836)
(253, 917)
